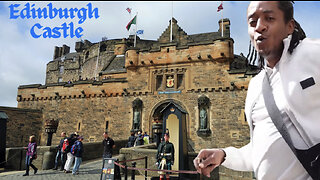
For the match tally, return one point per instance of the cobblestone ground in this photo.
(88, 170)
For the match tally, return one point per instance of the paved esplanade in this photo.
(88, 170)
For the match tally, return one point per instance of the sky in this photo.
(23, 58)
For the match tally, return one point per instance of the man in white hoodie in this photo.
(292, 64)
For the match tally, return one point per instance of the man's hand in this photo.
(207, 160)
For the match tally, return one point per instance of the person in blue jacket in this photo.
(77, 151)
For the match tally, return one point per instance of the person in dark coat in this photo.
(78, 155)
(131, 140)
(108, 145)
(139, 139)
(60, 155)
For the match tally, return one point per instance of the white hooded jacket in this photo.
(300, 79)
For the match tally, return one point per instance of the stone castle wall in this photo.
(22, 123)
(94, 108)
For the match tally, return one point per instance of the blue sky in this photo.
(23, 58)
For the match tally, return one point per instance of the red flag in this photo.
(129, 10)
(220, 8)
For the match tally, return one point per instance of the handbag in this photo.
(309, 158)
(34, 156)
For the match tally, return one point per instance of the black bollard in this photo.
(133, 173)
(117, 171)
(49, 140)
(146, 167)
(125, 172)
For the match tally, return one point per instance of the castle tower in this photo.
(226, 27)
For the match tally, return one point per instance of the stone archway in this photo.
(170, 115)
(156, 117)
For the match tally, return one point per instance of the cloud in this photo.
(23, 58)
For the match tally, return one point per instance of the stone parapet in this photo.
(15, 157)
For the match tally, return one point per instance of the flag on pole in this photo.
(140, 31)
(220, 8)
(129, 10)
(133, 21)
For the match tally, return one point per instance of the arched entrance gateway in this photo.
(170, 115)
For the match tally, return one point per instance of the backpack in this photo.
(65, 145)
(74, 148)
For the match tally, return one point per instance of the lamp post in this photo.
(51, 126)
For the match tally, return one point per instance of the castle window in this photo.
(79, 126)
(59, 79)
(179, 80)
(107, 125)
(169, 79)
(168, 50)
(159, 81)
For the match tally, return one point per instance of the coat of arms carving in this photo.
(170, 82)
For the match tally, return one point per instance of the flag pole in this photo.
(222, 19)
(135, 31)
(130, 19)
(171, 21)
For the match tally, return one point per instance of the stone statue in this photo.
(136, 119)
(203, 118)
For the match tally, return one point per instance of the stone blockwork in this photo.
(94, 108)
(21, 124)
(106, 77)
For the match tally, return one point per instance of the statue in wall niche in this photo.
(136, 119)
(203, 118)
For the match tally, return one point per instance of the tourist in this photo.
(77, 151)
(108, 145)
(31, 155)
(139, 139)
(70, 158)
(60, 155)
(131, 140)
(292, 67)
(145, 138)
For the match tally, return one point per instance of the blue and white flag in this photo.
(140, 32)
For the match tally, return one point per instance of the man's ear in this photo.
(291, 26)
